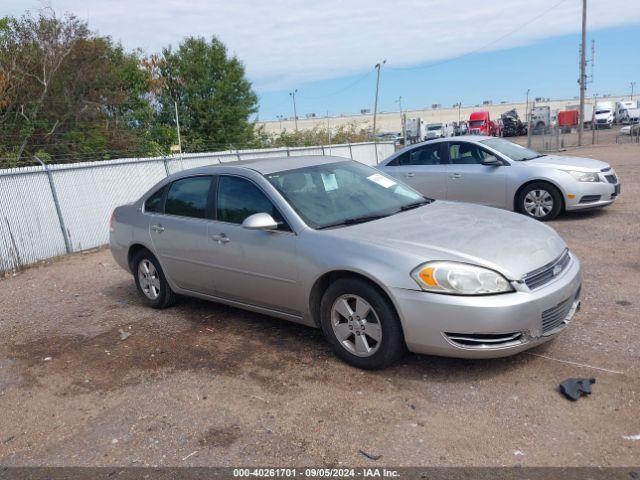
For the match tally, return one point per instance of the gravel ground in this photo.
(204, 384)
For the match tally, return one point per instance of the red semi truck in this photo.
(480, 123)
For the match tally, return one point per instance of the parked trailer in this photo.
(567, 119)
(588, 112)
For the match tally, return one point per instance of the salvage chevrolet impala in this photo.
(338, 245)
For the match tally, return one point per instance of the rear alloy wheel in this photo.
(151, 282)
(361, 325)
(541, 201)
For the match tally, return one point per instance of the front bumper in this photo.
(588, 195)
(437, 324)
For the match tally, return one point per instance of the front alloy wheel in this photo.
(540, 200)
(361, 324)
(356, 325)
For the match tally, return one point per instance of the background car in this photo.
(498, 173)
(335, 244)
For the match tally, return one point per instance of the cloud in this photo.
(289, 42)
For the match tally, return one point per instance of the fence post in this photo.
(56, 202)
(288, 153)
(238, 155)
(166, 165)
(375, 147)
(350, 151)
(322, 147)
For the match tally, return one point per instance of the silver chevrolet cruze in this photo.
(335, 244)
(495, 172)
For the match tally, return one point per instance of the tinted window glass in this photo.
(238, 198)
(154, 202)
(188, 197)
(427, 155)
(466, 153)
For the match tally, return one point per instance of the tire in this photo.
(380, 316)
(151, 282)
(539, 192)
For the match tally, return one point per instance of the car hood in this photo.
(569, 163)
(507, 242)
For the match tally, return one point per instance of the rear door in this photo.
(423, 168)
(179, 233)
(470, 181)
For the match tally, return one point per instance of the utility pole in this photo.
(633, 84)
(583, 76)
(402, 125)
(279, 117)
(526, 113)
(459, 107)
(295, 111)
(328, 130)
(375, 105)
(175, 104)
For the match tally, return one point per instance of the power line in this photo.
(485, 46)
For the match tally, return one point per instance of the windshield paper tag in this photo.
(381, 180)
(329, 181)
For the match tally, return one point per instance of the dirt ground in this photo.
(204, 384)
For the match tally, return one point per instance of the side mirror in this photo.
(492, 161)
(260, 221)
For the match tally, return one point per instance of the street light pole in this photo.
(295, 111)
(633, 84)
(375, 105)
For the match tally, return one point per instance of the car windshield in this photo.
(343, 193)
(434, 127)
(511, 150)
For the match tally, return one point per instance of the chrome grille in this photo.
(553, 317)
(539, 277)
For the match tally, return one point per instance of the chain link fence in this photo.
(559, 138)
(50, 210)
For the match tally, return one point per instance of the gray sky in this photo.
(289, 42)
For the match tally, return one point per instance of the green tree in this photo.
(214, 99)
(68, 93)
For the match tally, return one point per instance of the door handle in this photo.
(456, 175)
(157, 228)
(220, 238)
(410, 174)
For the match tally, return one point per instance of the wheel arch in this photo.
(322, 283)
(132, 252)
(515, 206)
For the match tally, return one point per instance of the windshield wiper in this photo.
(411, 206)
(353, 221)
(536, 156)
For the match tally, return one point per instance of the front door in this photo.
(470, 181)
(179, 234)
(252, 266)
(423, 168)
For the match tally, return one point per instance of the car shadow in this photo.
(573, 215)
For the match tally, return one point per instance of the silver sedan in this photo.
(495, 172)
(338, 245)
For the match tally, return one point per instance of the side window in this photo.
(238, 198)
(426, 155)
(463, 153)
(187, 197)
(154, 204)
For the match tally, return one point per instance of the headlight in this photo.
(584, 176)
(459, 278)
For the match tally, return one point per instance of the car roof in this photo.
(266, 166)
